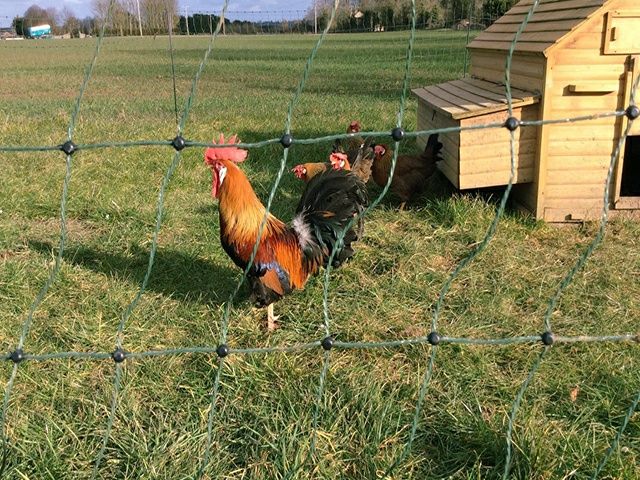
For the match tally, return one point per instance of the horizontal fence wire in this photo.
(337, 344)
(545, 338)
(313, 140)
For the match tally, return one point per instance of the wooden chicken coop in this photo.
(574, 58)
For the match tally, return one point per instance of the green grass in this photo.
(58, 409)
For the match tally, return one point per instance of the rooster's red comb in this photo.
(234, 154)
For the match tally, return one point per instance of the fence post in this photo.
(466, 50)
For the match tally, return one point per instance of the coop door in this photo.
(627, 182)
(630, 181)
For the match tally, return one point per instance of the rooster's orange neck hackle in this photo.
(240, 209)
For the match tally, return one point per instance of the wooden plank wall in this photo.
(578, 154)
(486, 154)
(428, 118)
(527, 73)
(527, 70)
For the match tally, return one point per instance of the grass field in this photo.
(58, 410)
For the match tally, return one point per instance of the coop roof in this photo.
(551, 21)
(471, 97)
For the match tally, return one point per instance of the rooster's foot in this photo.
(272, 320)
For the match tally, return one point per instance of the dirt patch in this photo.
(44, 231)
(76, 229)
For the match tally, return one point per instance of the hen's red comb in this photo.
(234, 154)
(338, 160)
(299, 171)
(379, 150)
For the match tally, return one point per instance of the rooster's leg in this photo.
(272, 323)
(402, 206)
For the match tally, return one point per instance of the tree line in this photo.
(127, 17)
(151, 17)
(61, 22)
(386, 15)
(364, 15)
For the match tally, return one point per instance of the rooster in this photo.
(306, 171)
(287, 255)
(412, 171)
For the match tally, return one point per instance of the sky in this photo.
(264, 9)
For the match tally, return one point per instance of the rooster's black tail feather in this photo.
(329, 203)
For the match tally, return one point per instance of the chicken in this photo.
(354, 143)
(306, 171)
(337, 161)
(411, 172)
(363, 162)
(287, 255)
(358, 150)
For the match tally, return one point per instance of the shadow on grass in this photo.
(175, 273)
(456, 448)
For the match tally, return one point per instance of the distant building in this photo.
(7, 32)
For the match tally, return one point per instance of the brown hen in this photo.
(412, 171)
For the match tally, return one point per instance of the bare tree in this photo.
(132, 19)
(70, 23)
(89, 26)
(100, 8)
(120, 17)
(156, 12)
(38, 16)
(124, 15)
